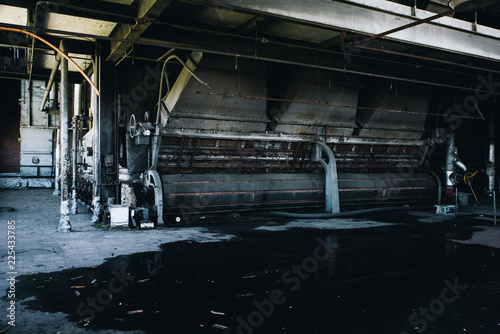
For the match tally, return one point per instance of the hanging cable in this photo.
(468, 178)
(160, 98)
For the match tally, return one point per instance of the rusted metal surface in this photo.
(202, 193)
(191, 155)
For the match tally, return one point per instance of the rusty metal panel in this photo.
(198, 109)
(302, 117)
(201, 193)
(402, 123)
(227, 192)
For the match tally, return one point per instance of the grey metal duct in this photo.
(51, 81)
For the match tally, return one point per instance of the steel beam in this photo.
(371, 17)
(183, 38)
(147, 12)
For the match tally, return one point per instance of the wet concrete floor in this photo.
(401, 276)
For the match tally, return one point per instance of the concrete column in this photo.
(64, 222)
(77, 105)
(96, 146)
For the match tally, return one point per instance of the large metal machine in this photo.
(221, 142)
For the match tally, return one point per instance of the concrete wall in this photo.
(37, 131)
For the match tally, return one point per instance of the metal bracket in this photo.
(154, 181)
(331, 178)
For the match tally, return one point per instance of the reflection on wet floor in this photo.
(398, 278)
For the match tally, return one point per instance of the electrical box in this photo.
(118, 215)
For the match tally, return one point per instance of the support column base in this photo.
(64, 224)
(97, 209)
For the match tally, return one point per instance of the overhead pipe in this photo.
(343, 70)
(51, 81)
(124, 19)
(58, 51)
(407, 26)
(64, 221)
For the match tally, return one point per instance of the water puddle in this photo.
(388, 279)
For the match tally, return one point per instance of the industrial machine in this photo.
(222, 143)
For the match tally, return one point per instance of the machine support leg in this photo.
(154, 181)
(332, 183)
(64, 223)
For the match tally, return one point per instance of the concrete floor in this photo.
(212, 278)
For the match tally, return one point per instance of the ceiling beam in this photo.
(256, 21)
(147, 12)
(314, 58)
(38, 74)
(369, 17)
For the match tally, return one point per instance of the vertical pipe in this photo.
(495, 206)
(64, 222)
(490, 167)
(57, 192)
(77, 105)
(96, 146)
(99, 124)
(490, 162)
(28, 93)
(53, 96)
(456, 202)
(450, 166)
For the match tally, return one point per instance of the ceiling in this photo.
(144, 30)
